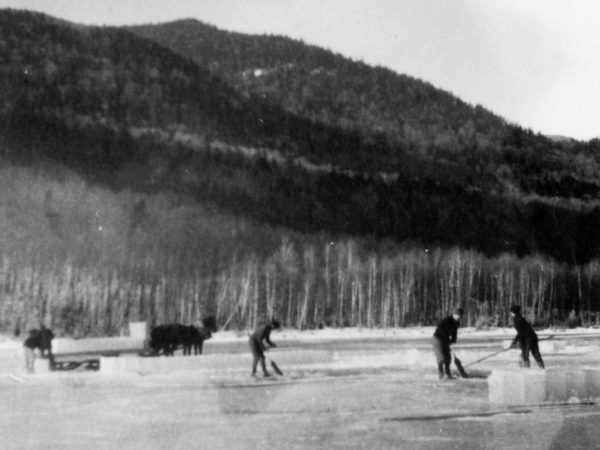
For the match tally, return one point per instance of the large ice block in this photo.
(535, 386)
(516, 386)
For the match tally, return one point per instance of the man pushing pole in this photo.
(526, 339)
(444, 336)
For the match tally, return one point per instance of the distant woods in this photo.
(333, 284)
(430, 209)
(213, 234)
(119, 258)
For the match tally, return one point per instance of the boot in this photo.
(540, 362)
(264, 367)
(448, 373)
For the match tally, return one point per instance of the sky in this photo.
(534, 62)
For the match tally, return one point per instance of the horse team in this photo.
(167, 338)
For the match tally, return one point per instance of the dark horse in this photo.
(168, 337)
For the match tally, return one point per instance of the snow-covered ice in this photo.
(363, 398)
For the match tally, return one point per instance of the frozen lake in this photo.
(318, 407)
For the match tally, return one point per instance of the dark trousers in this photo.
(258, 355)
(531, 345)
(442, 355)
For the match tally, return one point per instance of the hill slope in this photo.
(132, 113)
(412, 116)
(314, 83)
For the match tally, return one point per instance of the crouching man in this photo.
(443, 337)
(38, 339)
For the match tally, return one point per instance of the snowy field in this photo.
(379, 391)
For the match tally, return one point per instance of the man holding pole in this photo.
(444, 336)
(526, 339)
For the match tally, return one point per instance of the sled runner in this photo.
(87, 364)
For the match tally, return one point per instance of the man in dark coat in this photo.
(526, 339)
(444, 336)
(40, 339)
(257, 341)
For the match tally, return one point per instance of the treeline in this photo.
(310, 285)
(433, 213)
(87, 260)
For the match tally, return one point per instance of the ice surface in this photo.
(210, 362)
(551, 346)
(362, 398)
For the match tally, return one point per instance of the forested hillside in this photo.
(165, 172)
(475, 179)
(440, 131)
(328, 88)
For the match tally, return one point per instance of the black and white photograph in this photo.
(299, 224)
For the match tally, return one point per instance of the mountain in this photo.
(432, 129)
(290, 135)
(328, 88)
(445, 143)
